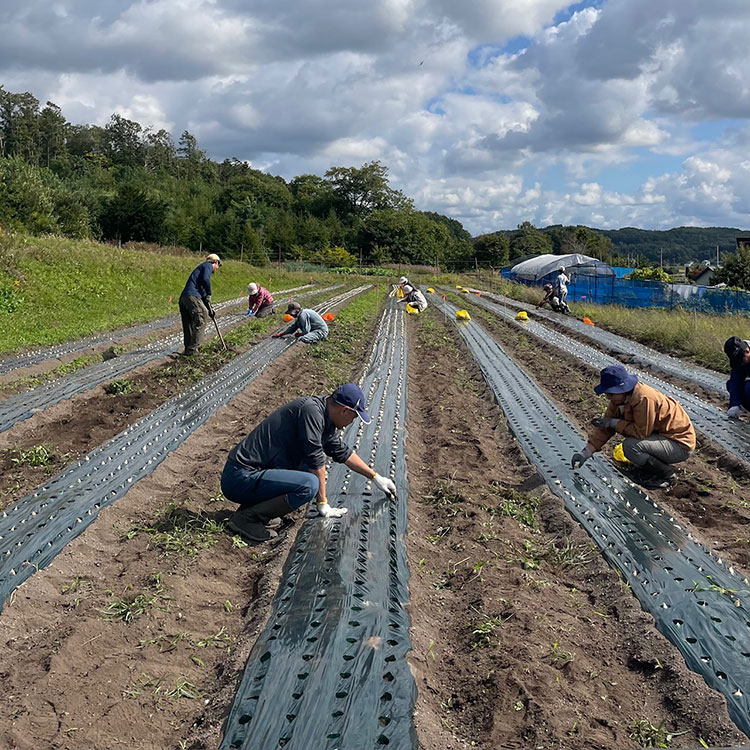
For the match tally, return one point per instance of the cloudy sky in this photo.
(608, 113)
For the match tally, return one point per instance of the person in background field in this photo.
(280, 465)
(308, 326)
(657, 429)
(195, 301)
(561, 285)
(259, 301)
(414, 297)
(738, 385)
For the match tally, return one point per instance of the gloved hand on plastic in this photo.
(250, 313)
(297, 334)
(385, 484)
(277, 335)
(606, 423)
(579, 459)
(733, 412)
(327, 511)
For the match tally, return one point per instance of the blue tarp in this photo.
(633, 293)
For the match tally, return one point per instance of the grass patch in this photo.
(557, 553)
(61, 289)
(177, 531)
(511, 503)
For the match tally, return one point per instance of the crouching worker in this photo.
(259, 301)
(658, 432)
(738, 385)
(308, 326)
(414, 297)
(280, 465)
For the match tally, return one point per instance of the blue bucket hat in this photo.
(350, 394)
(615, 379)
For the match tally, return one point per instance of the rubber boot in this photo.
(252, 521)
(661, 475)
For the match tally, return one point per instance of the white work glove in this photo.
(385, 484)
(327, 511)
(606, 423)
(579, 459)
(733, 412)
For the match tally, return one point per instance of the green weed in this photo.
(130, 608)
(483, 633)
(120, 387)
(177, 531)
(39, 455)
(559, 656)
(519, 506)
(646, 734)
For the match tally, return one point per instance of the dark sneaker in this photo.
(658, 483)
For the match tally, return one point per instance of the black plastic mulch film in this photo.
(732, 434)
(642, 355)
(23, 405)
(38, 526)
(697, 601)
(110, 337)
(329, 670)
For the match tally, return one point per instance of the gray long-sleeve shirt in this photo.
(306, 321)
(296, 436)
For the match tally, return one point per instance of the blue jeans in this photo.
(249, 487)
(744, 393)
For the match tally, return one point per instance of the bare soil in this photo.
(522, 636)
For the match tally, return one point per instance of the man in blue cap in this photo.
(658, 432)
(280, 465)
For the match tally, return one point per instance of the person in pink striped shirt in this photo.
(259, 301)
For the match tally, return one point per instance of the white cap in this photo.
(561, 269)
(252, 288)
(403, 280)
(213, 258)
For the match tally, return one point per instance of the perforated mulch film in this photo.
(16, 408)
(697, 601)
(39, 525)
(329, 670)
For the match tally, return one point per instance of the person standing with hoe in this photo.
(195, 302)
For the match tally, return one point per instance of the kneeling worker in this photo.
(280, 465)
(259, 301)
(738, 385)
(308, 325)
(657, 429)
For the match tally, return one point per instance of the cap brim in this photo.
(364, 416)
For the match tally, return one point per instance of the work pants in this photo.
(248, 487)
(665, 449)
(194, 317)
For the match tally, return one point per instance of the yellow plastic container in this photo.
(431, 290)
(463, 315)
(523, 315)
(412, 310)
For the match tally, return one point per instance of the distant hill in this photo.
(679, 245)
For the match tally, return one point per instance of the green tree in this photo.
(366, 189)
(123, 142)
(26, 200)
(528, 240)
(736, 269)
(493, 249)
(134, 213)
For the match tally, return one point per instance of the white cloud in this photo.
(487, 137)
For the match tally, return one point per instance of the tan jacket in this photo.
(645, 412)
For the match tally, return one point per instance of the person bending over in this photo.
(259, 301)
(308, 326)
(280, 465)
